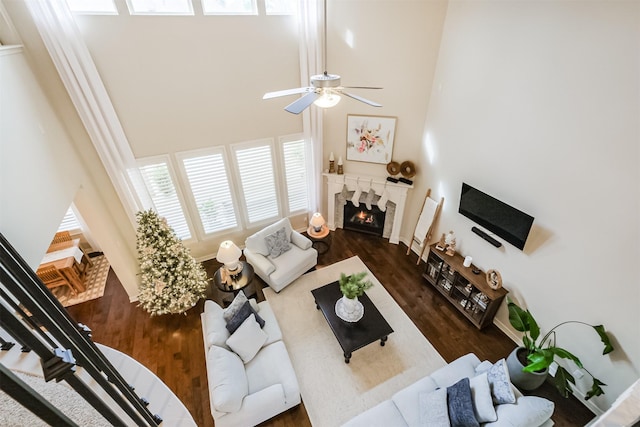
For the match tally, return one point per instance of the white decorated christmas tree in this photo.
(172, 280)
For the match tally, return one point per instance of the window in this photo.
(280, 7)
(105, 7)
(229, 7)
(257, 180)
(69, 222)
(210, 191)
(160, 184)
(294, 154)
(160, 7)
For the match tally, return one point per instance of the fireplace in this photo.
(341, 188)
(370, 221)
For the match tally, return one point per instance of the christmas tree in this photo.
(172, 280)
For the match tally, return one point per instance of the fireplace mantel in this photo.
(397, 194)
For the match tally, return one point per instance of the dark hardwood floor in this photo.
(172, 346)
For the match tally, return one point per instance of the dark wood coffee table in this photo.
(351, 336)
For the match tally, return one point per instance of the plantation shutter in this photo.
(69, 222)
(295, 162)
(211, 192)
(165, 198)
(255, 167)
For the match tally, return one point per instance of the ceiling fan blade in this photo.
(298, 106)
(361, 99)
(286, 92)
(362, 87)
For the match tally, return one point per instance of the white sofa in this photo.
(407, 406)
(246, 394)
(281, 270)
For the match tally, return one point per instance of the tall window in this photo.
(162, 190)
(229, 7)
(294, 155)
(69, 222)
(160, 7)
(98, 7)
(210, 191)
(256, 174)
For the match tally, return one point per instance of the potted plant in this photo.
(348, 307)
(536, 355)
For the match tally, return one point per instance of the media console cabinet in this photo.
(469, 292)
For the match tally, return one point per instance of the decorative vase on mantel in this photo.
(349, 309)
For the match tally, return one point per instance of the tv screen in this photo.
(505, 221)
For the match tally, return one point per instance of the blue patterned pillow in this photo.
(460, 405)
(277, 243)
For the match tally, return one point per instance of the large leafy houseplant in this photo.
(354, 285)
(542, 351)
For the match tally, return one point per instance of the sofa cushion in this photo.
(528, 411)
(214, 325)
(433, 408)
(383, 414)
(272, 365)
(277, 243)
(460, 405)
(407, 402)
(500, 383)
(248, 339)
(228, 383)
(245, 311)
(482, 400)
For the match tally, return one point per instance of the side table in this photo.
(321, 240)
(232, 284)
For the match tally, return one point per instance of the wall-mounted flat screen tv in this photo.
(505, 221)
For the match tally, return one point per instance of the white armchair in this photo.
(262, 251)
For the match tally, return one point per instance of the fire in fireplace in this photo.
(370, 221)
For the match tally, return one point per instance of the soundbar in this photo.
(486, 237)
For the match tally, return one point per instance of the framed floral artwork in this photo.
(370, 138)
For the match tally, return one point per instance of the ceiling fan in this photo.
(325, 88)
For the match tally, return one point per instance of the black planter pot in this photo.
(519, 378)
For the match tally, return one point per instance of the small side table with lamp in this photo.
(234, 275)
(318, 233)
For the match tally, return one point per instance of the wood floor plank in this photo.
(172, 346)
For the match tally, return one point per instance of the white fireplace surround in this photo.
(397, 194)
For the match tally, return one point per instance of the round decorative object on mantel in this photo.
(393, 168)
(494, 279)
(408, 169)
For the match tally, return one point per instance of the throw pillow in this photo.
(527, 411)
(482, 400)
(245, 311)
(433, 408)
(501, 389)
(277, 243)
(235, 305)
(247, 340)
(460, 405)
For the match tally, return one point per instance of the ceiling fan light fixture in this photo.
(328, 99)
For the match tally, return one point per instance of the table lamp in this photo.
(317, 221)
(229, 254)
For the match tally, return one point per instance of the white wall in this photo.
(56, 133)
(537, 103)
(392, 44)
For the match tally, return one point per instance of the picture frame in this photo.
(370, 138)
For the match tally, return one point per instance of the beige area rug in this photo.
(333, 391)
(95, 282)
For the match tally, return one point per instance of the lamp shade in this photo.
(317, 221)
(229, 254)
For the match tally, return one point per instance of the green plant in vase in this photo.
(354, 285)
(540, 353)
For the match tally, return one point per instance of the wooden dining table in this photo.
(70, 261)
